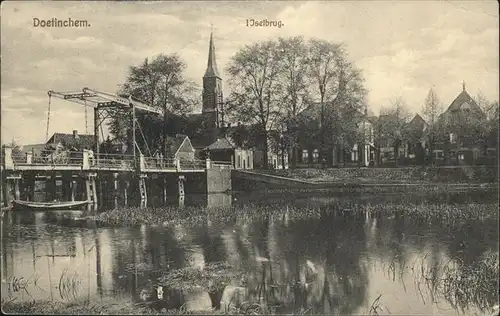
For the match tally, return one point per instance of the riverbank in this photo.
(99, 308)
(385, 176)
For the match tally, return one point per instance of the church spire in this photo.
(212, 64)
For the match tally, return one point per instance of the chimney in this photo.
(229, 125)
(75, 133)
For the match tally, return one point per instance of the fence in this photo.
(111, 161)
(159, 163)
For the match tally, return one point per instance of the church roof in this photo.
(212, 70)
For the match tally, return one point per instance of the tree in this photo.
(339, 86)
(161, 84)
(293, 75)
(392, 125)
(255, 88)
(431, 110)
(487, 106)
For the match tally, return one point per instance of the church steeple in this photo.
(212, 70)
(212, 85)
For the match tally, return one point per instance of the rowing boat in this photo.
(51, 206)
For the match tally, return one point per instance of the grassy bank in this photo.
(122, 308)
(459, 174)
(315, 208)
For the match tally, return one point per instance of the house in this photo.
(224, 150)
(180, 147)
(359, 152)
(73, 141)
(414, 139)
(464, 129)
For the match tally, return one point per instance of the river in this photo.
(347, 263)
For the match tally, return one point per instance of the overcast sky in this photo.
(403, 48)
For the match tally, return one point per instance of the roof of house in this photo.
(175, 143)
(71, 140)
(418, 121)
(221, 144)
(462, 100)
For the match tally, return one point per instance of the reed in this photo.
(194, 216)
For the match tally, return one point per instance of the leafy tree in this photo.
(161, 84)
(339, 86)
(255, 88)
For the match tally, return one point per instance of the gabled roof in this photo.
(418, 122)
(462, 100)
(69, 140)
(221, 144)
(175, 143)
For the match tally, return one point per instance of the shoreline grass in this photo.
(169, 216)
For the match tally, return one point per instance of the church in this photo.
(209, 136)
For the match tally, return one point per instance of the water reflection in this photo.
(340, 263)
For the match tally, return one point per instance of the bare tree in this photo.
(395, 118)
(487, 106)
(255, 88)
(431, 110)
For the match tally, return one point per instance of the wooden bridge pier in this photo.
(181, 192)
(143, 190)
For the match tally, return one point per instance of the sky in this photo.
(403, 48)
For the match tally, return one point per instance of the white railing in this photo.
(88, 160)
(195, 164)
(111, 161)
(159, 163)
(63, 158)
(221, 165)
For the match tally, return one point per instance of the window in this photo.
(315, 156)
(453, 138)
(461, 156)
(305, 155)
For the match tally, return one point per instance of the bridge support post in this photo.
(91, 191)
(94, 190)
(115, 190)
(73, 189)
(100, 195)
(17, 191)
(165, 190)
(180, 182)
(50, 187)
(126, 185)
(66, 185)
(28, 187)
(7, 191)
(143, 190)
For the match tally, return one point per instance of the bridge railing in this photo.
(111, 161)
(159, 163)
(50, 158)
(221, 165)
(196, 164)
